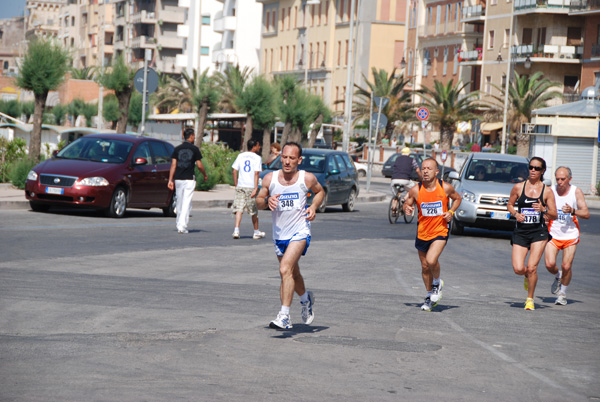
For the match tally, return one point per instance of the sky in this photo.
(11, 8)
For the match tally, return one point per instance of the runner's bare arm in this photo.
(456, 199)
(550, 204)
(411, 199)
(510, 206)
(313, 185)
(582, 210)
(261, 202)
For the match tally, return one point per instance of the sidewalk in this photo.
(220, 197)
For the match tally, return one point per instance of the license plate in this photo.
(55, 190)
(500, 215)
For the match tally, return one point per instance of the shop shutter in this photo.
(577, 153)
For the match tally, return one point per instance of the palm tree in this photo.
(197, 93)
(447, 106)
(388, 86)
(42, 70)
(232, 83)
(525, 94)
(84, 73)
(119, 78)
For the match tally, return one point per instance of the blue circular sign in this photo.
(422, 113)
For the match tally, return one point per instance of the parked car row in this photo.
(334, 170)
(388, 166)
(109, 172)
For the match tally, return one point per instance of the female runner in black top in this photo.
(528, 202)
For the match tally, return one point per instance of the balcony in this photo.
(224, 56)
(170, 42)
(470, 57)
(596, 50)
(227, 23)
(473, 14)
(167, 65)
(184, 3)
(144, 17)
(549, 53)
(585, 6)
(183, 31)
(143, 42)
(542, 6)
(175, 17)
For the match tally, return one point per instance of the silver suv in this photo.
(484, 183)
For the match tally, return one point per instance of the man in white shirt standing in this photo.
(246, 169)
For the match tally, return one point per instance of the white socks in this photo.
(285, 310)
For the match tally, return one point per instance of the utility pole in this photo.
(349, 82)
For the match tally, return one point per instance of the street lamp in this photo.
(308, 3)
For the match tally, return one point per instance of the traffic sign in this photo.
(444, 156)
(151, 85)
(383, 120)
(422, 113)
(381, 102)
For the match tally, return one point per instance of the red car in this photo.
(110, 172)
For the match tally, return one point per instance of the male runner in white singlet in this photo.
(284, 192)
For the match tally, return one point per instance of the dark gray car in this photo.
(484, 183)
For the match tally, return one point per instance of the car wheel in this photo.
(171, 210)
(37, 207)
(456, 228)
(323, 205)
(349, 206)
(118, 203)
(362, 173)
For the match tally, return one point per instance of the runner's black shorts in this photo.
(423, 245)
(525, 238)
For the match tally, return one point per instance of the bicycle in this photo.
(395, 212)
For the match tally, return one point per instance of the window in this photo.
(280, 58)
(425, 61)
(296, 17)
(324, 51)
(541, 39)
(457, 16)
(438, 19)
(445, 61)
(287, 58)
(506, 38)
(488, 84)
(573, 36)
(283, 19)
(204, 50)
(289, 18)
(527, 36)
(447, 16)
(503, 80)
(143, 151)
(491, 40)
(428, 16)
(339, 57)
(347, 51)
(340, 162)
(206, 20)
(493, 2)
(455, 64)
(162, 156)
(341, 8)
(320, 13)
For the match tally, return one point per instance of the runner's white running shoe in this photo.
(258, 235)
(555, 288)
(236, 235)
(281, 322)
(436, 292)
(308, 315)
(427, 305)
(561, 299)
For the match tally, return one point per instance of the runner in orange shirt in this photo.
(431, 197)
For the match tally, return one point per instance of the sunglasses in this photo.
(536, 168)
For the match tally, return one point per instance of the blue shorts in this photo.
(282, 245)
(423, 245)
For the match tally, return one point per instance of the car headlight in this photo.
(468, 196)
(93, 181)
(32, 175)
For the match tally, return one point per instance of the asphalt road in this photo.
(93, 308)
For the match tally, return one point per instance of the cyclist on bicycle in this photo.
(403, 167)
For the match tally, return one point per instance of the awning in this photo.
(487, 128)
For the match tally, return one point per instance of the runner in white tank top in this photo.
(289, 218)
(564, 230)
(284, 193)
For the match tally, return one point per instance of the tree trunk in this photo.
(523, 145)
(35, 141)
(247, 133)
(286, 132)
(201, 122)
(315, 131)
(447, 135)
(124, 98)
(266, 143)
(296, 135)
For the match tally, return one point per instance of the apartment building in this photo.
(86, 29)
(590, 69)
(149, 24)
(310, 40)
(42, 20)
(441, 46)
(12, 44)
(240, 34)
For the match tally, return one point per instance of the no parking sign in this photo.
(422, 113)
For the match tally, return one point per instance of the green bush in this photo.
(18, 172)
(11, 108)
(217, 161)
(598, 188)
(10, 151)
(512, 150)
